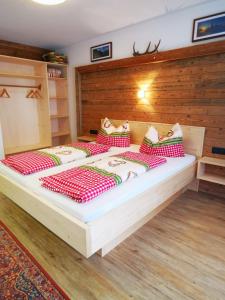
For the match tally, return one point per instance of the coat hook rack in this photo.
(21, 86)
(31, 94)
(4, 94)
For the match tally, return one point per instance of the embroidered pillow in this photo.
(170, 145)
(110, 135)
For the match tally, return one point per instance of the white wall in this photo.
(174, 30)
(2, 155)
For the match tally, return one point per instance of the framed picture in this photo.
(103, 51)
(209, 27)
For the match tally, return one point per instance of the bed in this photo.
(91, 227)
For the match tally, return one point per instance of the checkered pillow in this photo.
(91, 149)
(170, 145)
(110, 135)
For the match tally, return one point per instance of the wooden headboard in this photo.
(193, 135)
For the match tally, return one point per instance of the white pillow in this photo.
(110, 128)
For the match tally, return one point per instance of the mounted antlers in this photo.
(137, 53)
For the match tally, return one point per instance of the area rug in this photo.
(21, 276)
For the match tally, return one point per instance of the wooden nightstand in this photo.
(203, 174)
(86, 138)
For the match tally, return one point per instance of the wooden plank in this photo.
(170, 55)
(59, 107)
(20, 50)
(78, 102)
(86, 138)
(213, 161)
(213, 178)
(159, 261)
(188, 90)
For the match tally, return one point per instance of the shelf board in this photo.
(58, 98)
(162, 56)
(213, 161)
(60, 133)
(18, 149)
(87, 138)
(15, 75)
(59, 116)
(21, 61)
(57, 64)
(57, 78)
(213, 178)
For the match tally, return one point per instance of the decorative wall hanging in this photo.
(208, 27)
(147, 51)
(100, 52)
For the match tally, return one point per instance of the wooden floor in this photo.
(180, 254)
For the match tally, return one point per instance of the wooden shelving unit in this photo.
(204, 174)
(58, 98)
(33, 123)
(25, 121)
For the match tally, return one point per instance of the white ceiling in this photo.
(30, 23)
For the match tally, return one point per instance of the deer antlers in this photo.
(137, 53)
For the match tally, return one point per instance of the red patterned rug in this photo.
(21, 276)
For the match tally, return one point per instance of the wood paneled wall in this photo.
(20, 50)
(189, 91)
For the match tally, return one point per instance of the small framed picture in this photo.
(209, 27)
(100, 52)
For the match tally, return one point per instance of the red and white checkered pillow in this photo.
(110, 135)
(170, 145)
(93, 149)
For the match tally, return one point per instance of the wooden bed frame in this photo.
(103, 234)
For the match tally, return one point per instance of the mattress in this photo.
(104, 203)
